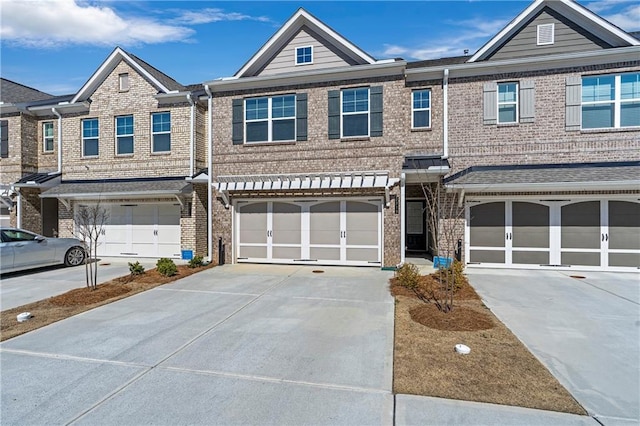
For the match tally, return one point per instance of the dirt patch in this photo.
(498, 370)
(430, 287)
(82, 299)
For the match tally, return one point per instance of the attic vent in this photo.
(546, 34)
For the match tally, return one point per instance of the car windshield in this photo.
(10, 235)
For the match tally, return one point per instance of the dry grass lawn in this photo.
(82, 299)
(498, 370)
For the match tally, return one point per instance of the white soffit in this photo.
(306, 181)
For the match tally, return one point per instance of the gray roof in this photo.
(167, 81)
(547, 174)
(38, 178)
(419, 162)
(13, 93)
(438, 62)
(133, 187)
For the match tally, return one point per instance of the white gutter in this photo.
(210, 173)
(53, 110)
(191, 134)
(445, 114)
(544, 186)
(402, 218)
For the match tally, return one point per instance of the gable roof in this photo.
(582, 16)
(157, 78)
(288, 30)
(13, 93)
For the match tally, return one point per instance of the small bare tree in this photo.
(444, 219)
(89, 224)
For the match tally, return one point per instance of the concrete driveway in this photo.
(20, 288)
(237, 344)
(586, 331)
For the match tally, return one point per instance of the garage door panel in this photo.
(325, 253)
(286, 252)
(487, 256)
(487, 225)
(287, 223)
(624, 259)
(530, 257)
(253, 223)
(624, 225)
(362, 223)
(257, 252)
(530, 225)
(580, 225)
(581, 258)
(362, 254)
(324, 222)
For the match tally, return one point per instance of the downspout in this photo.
(191, 134)
(445, 114)
(55, 111)
(209, 174)
(403, 179)
(19, 210)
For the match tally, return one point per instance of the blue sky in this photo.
(55, 45)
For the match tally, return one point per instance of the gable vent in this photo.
(545, 34)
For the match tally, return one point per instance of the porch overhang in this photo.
(425, 168)
(42, 181)
(69, 191)
(305, 182)
(615, 176)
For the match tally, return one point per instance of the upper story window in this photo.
(47, 137)
(270, 119)
(4, 138)
(611, 101)
(123, 82)
(161, 132)
(124, 135)
(421, 109)
(355, 112)
(304, 55)
(90, 137)
(507, 103)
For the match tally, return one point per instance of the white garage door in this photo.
(331, 232)
(143, 230)
(589, 234)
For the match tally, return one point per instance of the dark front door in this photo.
(416, 226)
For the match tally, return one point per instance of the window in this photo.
(421, 115)
(304, 55)
(123, 82)
(47, 137)
(355, 112)
(611, 101)
(161, 131)
(507, 103)
(124, 135)
(270, 119)
(545, 34)
(90, 135)
(4, 138)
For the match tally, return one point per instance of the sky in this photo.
(56, 45)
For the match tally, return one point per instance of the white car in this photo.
(22, 249)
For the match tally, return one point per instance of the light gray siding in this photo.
(568, 38)
(324, 55)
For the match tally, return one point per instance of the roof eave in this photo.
(69, 108)
(545, 186)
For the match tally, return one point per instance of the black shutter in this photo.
(334, 114)
(238, 122)
(4, 139)
(375, 97)
(301, 116)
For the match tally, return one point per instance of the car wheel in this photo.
(74, 257)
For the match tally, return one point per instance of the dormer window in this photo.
(546, 34)
(304, 55)
(123, 82)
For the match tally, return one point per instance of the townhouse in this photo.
(315, 152)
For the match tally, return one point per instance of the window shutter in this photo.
(490, 103)
(238, 122)
(527, 101)
(4, 142)
(301, 116)
(573, 103)
(334, 114)
(375, 109)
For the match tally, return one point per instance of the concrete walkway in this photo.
(585, 330)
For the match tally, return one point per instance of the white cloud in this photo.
(38, 24)
(604, 5)
(208, 15)
(628, 19)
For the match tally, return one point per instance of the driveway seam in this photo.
(206, 291)
(112, 394)
(73, 358)
(329, 299)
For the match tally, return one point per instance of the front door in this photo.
(416, 229)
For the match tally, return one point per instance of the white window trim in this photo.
(115, 122)
(553, 34)
(84, 138)
(295, 59)
(342, 113)
(270, 119)
(153, 151)
(516, 103)
(44, 137)
(413, 109)
(617, 101)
